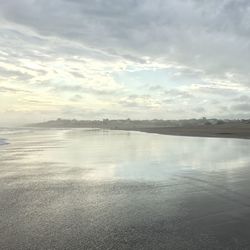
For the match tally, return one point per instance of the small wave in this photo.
(12, 131)
(3, 141)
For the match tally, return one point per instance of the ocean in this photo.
(104, 189)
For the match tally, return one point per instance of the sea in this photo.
(112, 189)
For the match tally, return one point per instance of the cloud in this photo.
(156, 88)
(177, 93)
(242, 98)
(77, 74)
(82, 89)
(12, 90)
(76, 98)
(200, 110)
(147, 55)
(6, 73)
(187, 32)
(143, 102)
(242, 107)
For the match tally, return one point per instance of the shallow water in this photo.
(101, 189)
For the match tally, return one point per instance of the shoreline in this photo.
(228, 130)
(209, 131)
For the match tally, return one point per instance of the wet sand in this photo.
(241, 131)
(84, 215)
(48, 204)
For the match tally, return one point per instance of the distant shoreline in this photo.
(194, 128)
(210, 131)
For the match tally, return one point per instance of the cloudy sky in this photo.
(142, 59)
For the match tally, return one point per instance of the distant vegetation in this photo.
(134, 124)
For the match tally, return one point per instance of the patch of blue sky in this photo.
(155, 77)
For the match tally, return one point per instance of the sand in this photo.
(241, 131)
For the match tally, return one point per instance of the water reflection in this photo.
(87, 188)
(107, 155)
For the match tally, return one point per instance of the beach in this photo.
(99, 189)
(229, 130)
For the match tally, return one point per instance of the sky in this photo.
(138, 59)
